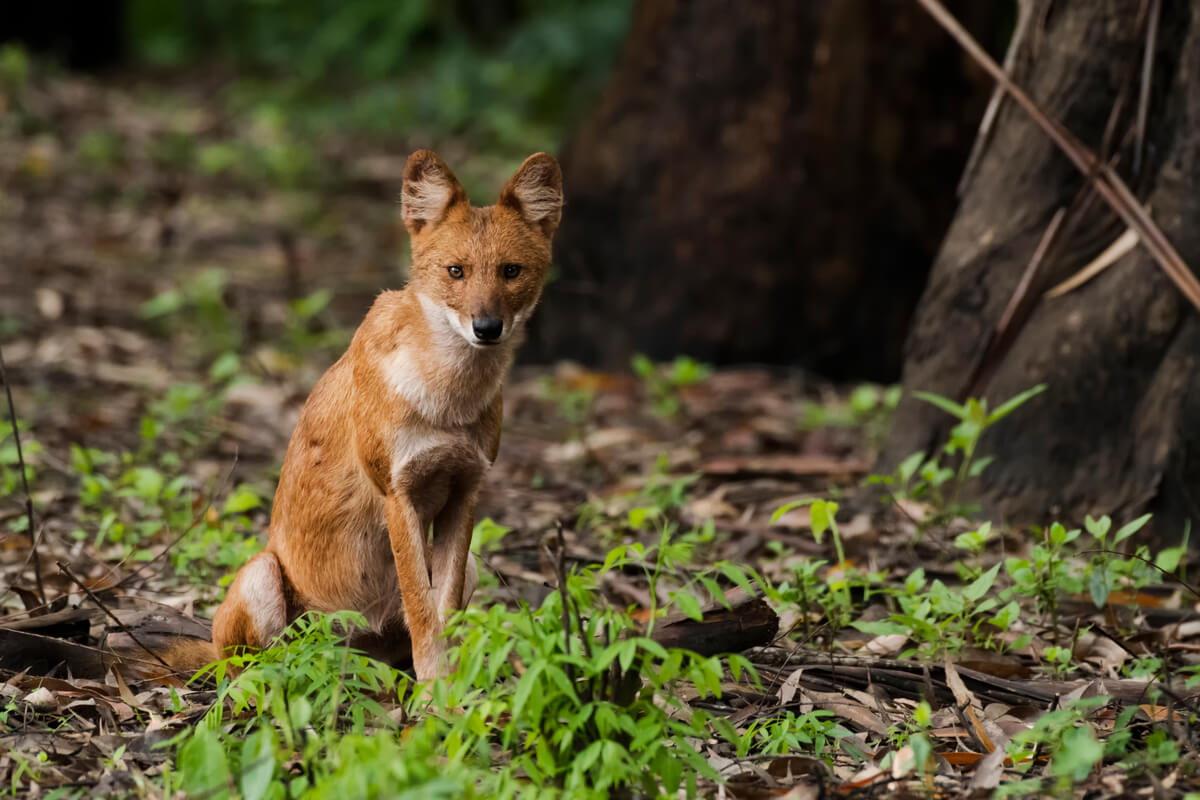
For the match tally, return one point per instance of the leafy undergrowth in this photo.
(918, 654)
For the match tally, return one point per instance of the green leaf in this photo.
(823, 513)
(1168, 560)
(688, 604)
(881, 627)
(1098, 528)
(637, 517)
(1012, 404)
(300, 712)
(258, 764)
(166, 303)
(1130, 528)
(642, 366)
(714, 590)
(203, 767)
(864, 398)
(147, 482)
(1079, 753)
(980, 586)
(909, 466)
(779, 512)
(526, 686)
(737, 575)
(949, 406)
(242, 500)
(1098, 584)
(224, 368)
(979, 465)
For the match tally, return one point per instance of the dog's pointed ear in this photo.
(535, 191)
(430, 190)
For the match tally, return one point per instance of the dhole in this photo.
(376, 500)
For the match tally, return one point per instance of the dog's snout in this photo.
(487, 329)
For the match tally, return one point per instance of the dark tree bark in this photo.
(1116, 431)
(764, 181)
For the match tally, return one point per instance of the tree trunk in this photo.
(1116, 431)
(764, 181)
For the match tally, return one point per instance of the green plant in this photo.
(925, 478)
(815, 732)
(939, 618)
(661, 495)
(11, 484)
(913, 747)
(8, 710)
(1047, 572)
(131, 499)
(823, 517)
(197, 311)
(1070, 741)
(305, 333)
(508, 77)
(1107, 570)
(572, 400)
(99, 149)
(292, 701)
(577, 715)
(974, 542)
(572, 697)
(14, 73)
(663, 384)
(868, 407)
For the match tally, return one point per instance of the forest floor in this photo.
(174, 277)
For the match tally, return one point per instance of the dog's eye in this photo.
(512, 270)
(455, 272)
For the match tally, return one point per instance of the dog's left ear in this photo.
(535, 191)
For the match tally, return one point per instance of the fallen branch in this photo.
(33, 537)
(747, 622)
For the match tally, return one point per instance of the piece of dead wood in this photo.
(54, 642)
(786, 466)
(908, 679)
(36, 654)
(39, 644)
(747, 622)
(30, 526)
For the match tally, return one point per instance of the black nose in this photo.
(487, 329)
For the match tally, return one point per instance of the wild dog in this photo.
(376, 500)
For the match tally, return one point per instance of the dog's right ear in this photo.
(430, 190)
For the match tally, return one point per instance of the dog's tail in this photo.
(158, 643)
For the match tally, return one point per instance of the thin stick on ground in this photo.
(33, 534)
(560, 569)
(100, 604)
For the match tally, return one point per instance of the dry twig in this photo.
(33, 535)
(100, 604)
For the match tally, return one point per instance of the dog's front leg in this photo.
(454, 573)
(406, 532)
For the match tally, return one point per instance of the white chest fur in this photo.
(450, 382)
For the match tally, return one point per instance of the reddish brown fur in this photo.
(396, 435)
